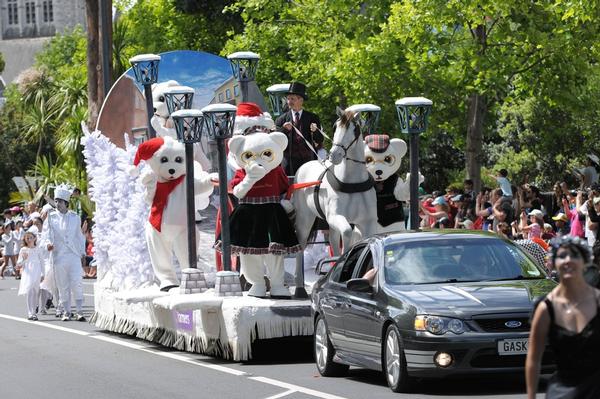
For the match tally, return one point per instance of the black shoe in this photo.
(30, 318)
(34, 318)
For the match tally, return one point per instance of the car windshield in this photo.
(457, 260)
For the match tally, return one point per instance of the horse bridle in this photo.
(357, 134)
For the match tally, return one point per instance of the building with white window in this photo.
(25, 25)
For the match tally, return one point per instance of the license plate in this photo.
(512, 347)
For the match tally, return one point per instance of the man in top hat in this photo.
(62, 236)
(297, 120)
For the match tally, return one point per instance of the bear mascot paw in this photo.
(166, 228)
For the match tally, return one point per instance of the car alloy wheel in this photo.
(394, 363)
(323, 351)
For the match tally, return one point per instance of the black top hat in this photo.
(298, 89)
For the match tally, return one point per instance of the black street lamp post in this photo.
(219, 120)
(145, 68)
(413, 114)
(243, 67)
(189, 124)
(369, 117)
(277, 98)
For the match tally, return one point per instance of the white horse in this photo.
(345, 196)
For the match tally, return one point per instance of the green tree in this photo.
(157, 26)
(483, 51)
(2, 63)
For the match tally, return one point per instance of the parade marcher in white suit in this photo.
(63, 238)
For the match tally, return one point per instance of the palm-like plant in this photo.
(69, 97)
(38, 123)
(68, 138)
(121, 41)
(35, 85)
(48, 176)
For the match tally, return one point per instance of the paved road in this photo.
(53, 359)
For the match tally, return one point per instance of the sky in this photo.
(203, 72)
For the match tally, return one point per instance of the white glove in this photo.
(253, 174)
(402, 190)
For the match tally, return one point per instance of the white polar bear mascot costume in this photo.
(166, 228)
(261, 232)
(383, 157)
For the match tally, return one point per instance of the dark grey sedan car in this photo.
(427, 304)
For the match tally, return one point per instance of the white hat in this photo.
(33, 230)
(468, 224)
(63, 192)
(34, 215)
(249, 115)
(536, 213)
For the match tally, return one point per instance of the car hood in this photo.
(466, 299)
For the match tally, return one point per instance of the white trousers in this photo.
(68, 277)
(33, 297)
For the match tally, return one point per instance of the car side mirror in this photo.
(325, 265)
(359, 285)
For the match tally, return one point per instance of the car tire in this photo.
(323, 352)
(394, 361)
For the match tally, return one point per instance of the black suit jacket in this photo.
(297, 152)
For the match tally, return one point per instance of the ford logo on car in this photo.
(513, 324)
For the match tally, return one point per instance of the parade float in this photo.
(148, 162)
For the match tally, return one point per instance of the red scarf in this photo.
(161, 197)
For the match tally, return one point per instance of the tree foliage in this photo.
(496, 53)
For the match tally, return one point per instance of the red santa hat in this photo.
(147, 149)
(249, 115)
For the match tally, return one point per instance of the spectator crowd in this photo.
(522, 212)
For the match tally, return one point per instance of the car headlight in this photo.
(438, 325)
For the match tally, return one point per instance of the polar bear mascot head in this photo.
(165, 156)
(249, 119)
(383, 155)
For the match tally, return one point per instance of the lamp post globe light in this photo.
(145, 68)
(277, 98)
(369, 116)
(188, 125)
(413, 114)
(243, 66)
(178, 98)
(219, 120)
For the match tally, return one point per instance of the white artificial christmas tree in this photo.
(121, 212)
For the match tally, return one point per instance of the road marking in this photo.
(296, 388)
(282, 394)
(290, 388)
(47, 325)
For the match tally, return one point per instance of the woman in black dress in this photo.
(568, 319)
